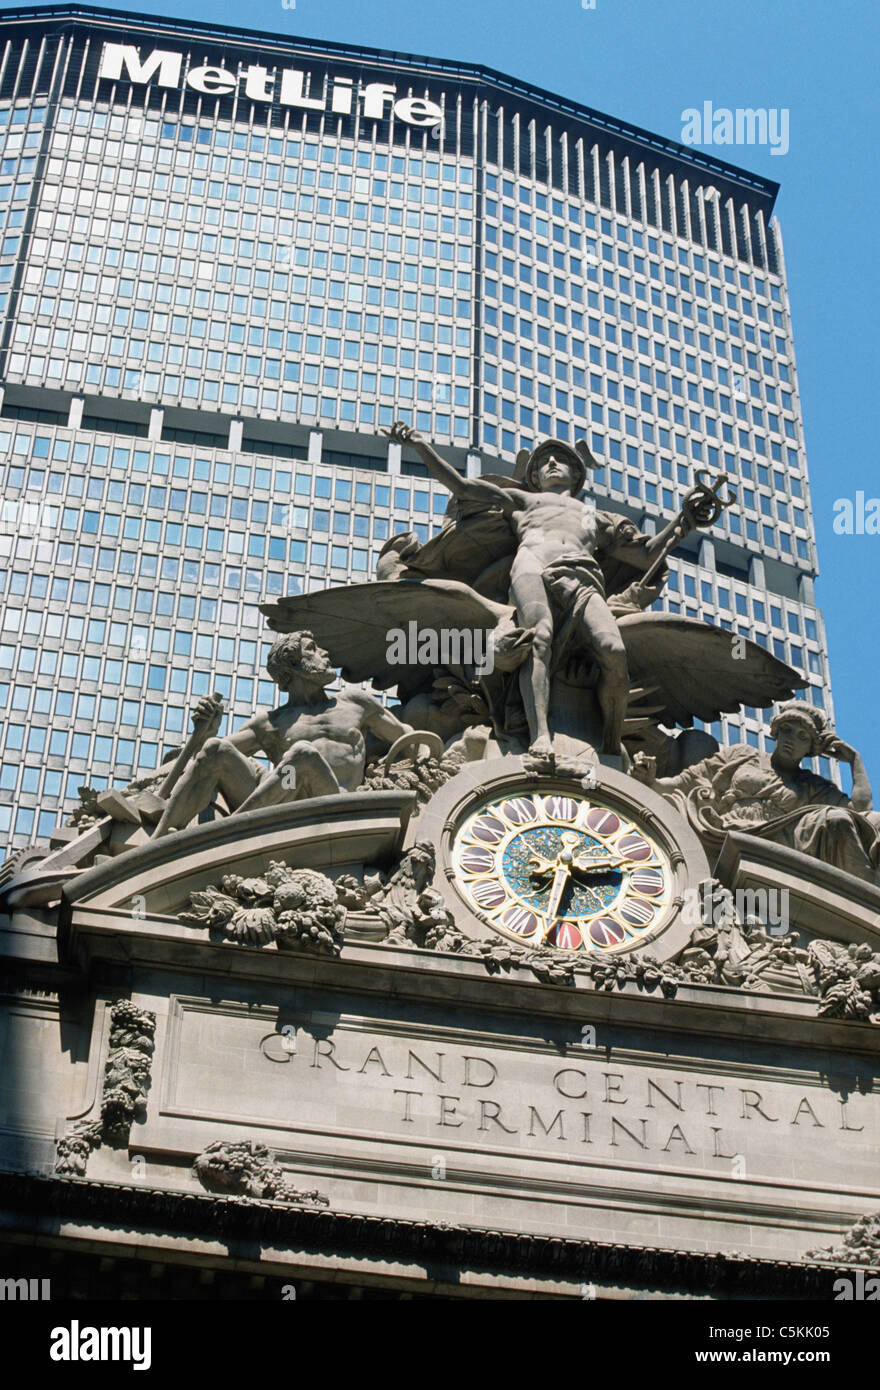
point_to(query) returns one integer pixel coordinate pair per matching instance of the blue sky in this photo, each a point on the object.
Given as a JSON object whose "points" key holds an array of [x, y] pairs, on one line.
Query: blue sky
{"points": [[647, 62]]}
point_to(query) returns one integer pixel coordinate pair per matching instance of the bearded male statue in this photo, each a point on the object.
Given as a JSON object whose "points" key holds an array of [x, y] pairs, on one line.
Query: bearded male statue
{"points": [[315, 741]]}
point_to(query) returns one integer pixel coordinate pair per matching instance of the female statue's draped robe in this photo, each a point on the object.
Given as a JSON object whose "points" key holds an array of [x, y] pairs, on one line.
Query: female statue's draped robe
{"points": [[739, 789]]}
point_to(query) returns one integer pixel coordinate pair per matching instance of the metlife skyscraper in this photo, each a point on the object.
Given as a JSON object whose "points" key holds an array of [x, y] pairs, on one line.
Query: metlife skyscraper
{"points": [[229, 259]]}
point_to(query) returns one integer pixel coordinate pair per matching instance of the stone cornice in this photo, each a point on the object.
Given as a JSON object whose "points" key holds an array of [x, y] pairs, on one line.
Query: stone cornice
{"points": [[29, 1198], [117, 945]]}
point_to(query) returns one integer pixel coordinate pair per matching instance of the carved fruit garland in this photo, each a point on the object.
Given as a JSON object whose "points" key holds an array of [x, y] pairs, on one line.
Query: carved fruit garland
{"points": [[297, 909]]}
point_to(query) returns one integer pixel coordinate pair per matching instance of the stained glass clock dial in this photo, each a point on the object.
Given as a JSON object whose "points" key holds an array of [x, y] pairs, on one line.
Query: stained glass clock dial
{"points": [[562, 870]]}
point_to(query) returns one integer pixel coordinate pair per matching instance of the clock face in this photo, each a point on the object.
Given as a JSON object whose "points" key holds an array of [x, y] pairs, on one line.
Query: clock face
{"points": [[562, 870]]}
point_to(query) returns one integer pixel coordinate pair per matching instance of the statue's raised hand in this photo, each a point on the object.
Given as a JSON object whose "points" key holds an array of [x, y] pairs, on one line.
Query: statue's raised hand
{"points": [[834, 747], [207, 715], [644, 769], [704, 503], [702, 511], [401, 433]]}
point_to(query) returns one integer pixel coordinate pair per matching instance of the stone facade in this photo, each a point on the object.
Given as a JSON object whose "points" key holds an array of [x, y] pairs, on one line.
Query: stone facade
{"points": [[393, 1108]]}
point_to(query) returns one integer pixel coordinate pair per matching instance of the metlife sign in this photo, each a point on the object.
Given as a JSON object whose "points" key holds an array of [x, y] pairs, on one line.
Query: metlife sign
{"points": [[289, 87]]}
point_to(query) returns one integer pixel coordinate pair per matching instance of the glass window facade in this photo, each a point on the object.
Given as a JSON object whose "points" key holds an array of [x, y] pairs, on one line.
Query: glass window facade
{"points": [[212, 306]]}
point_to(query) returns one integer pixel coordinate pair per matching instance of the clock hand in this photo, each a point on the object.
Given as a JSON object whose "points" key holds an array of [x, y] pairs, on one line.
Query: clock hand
{"points": [[560, 878], [596, 864], [541, 866]]}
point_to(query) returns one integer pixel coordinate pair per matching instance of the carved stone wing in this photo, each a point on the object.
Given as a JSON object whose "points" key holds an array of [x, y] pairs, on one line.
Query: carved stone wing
{"points": [[475, 546], [692, 670], [353, 622]]}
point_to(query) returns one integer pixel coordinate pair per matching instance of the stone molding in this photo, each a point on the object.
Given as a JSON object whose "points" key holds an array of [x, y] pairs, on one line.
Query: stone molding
{"points": [[317, 1231], [343, 829]]}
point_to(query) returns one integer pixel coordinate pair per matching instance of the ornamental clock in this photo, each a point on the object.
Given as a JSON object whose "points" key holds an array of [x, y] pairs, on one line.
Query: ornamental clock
{"points": [[562, 869]]}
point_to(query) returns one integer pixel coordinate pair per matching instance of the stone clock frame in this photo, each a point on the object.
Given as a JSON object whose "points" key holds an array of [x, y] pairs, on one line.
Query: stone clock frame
{"points": [[482, 782]]}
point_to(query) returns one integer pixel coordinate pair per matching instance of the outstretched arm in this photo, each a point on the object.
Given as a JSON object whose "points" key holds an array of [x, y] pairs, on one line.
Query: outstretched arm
{"points": [[469, 489], [702, 507], [642, 553], [716, 770], [644, 769], [247, 739]]}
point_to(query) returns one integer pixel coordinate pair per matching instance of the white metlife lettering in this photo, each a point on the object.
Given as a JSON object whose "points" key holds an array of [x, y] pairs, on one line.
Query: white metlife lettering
{"points": [[211, 81], [375, 96], [341, 100], [259, 83], [290, 86], [117, 56]]}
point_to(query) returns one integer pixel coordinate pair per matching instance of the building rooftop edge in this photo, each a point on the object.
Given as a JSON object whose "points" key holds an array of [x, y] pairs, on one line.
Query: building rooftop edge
{"points": [[661, 145]]}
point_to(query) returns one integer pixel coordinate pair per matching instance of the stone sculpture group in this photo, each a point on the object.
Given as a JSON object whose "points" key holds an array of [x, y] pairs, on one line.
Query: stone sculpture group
{"points": [[581, 670]]}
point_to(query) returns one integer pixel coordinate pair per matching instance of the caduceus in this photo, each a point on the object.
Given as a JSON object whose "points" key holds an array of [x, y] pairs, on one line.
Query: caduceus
{"points": [[566, 865], [712, 498]]}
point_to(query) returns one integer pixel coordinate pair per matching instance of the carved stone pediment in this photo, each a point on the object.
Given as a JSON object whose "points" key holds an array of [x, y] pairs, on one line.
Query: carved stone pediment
{"points": [[155, 883], [321, 833], [821, 900], [375, 867]]}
